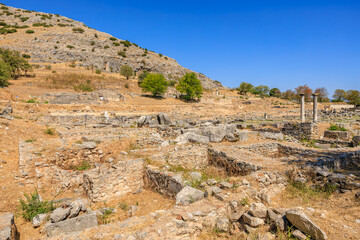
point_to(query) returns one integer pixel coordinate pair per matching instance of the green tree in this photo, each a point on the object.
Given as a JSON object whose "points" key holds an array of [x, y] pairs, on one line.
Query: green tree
{"points": [[4, 74], [353, 96], [190, 86], [142, 76], [275, 92], [244, 88], [339, 95], [154, 83], [126, 71], [261, 90]]}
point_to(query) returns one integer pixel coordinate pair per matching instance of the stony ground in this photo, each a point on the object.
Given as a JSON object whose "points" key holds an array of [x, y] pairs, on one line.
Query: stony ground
{"points": [[129, 157]]}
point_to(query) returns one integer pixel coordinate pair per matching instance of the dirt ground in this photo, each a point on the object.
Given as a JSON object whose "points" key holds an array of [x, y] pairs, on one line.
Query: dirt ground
{"points": [[339, 208]]}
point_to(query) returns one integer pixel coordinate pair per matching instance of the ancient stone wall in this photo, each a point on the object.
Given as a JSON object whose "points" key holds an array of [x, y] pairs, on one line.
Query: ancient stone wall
{"points": [[307, 130], [103, 182], [339, 135], [231, 165], [166, 183]]}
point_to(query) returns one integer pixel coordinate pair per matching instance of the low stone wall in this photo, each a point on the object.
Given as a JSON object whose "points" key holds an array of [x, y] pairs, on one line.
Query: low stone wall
{"points": [[103, 183], [341, 161], [307, 130], [188, 156], [166, 183], [71, 158], [276, 150], [231, 165], [338, 135]]}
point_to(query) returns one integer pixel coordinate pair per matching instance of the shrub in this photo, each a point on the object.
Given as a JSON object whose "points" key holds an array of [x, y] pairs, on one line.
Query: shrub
{"points": [[106, 47], [122, 53], [41, 25], [26, 56], [116, 44], [154, 83], [160, 55], [32, 206], [78, 30], [336, 127], [92, 43], [84, 166], [30, 31], [7, 31], [49, 131], [98, 71], [190, 87], [70, 46], [112, 39], [126, 85], [126, 43], [62, 25], [3, 24], [126, 71], [85, 87]]}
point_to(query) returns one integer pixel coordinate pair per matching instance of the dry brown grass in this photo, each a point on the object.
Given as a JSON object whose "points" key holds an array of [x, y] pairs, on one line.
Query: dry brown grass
{"points": [[71, 80]]}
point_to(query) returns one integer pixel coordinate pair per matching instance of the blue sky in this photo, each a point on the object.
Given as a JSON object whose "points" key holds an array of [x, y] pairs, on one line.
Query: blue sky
{"points": [[277, 43]]}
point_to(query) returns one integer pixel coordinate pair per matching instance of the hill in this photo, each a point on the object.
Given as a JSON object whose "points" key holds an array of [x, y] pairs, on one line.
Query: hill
{"points": [[51, 38]]}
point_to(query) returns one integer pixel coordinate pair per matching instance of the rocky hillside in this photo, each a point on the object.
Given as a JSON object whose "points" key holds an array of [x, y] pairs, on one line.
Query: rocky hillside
{"points": [[51, 38]]}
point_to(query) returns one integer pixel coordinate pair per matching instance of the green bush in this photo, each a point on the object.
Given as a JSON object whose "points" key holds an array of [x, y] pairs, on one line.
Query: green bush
{"points": [[7, 31], [154, 83], [32, 206], [106, 47], [62, 25], [24, 19], [116, 44], [49, 131], [112, 39], [78, 30], [85, 87], [70, 46], [26, 56], [126, 43], [190, 87], [41, 25], [172, 83], [98, 71], [30, 31], [3, 24], [122, 53], [126, 71], [336, 127]]}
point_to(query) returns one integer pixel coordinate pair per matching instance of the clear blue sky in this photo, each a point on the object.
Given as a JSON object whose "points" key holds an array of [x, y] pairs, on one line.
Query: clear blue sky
{"points": [[277, 43]]}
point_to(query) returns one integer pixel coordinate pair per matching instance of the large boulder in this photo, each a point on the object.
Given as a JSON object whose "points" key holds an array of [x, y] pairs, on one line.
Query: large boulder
{"points": [[252, 221], [215, 134], [163, 119], [189, 195], [72, 225], [59, 214], [191, 137], [258, 210], [304, 224]]}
